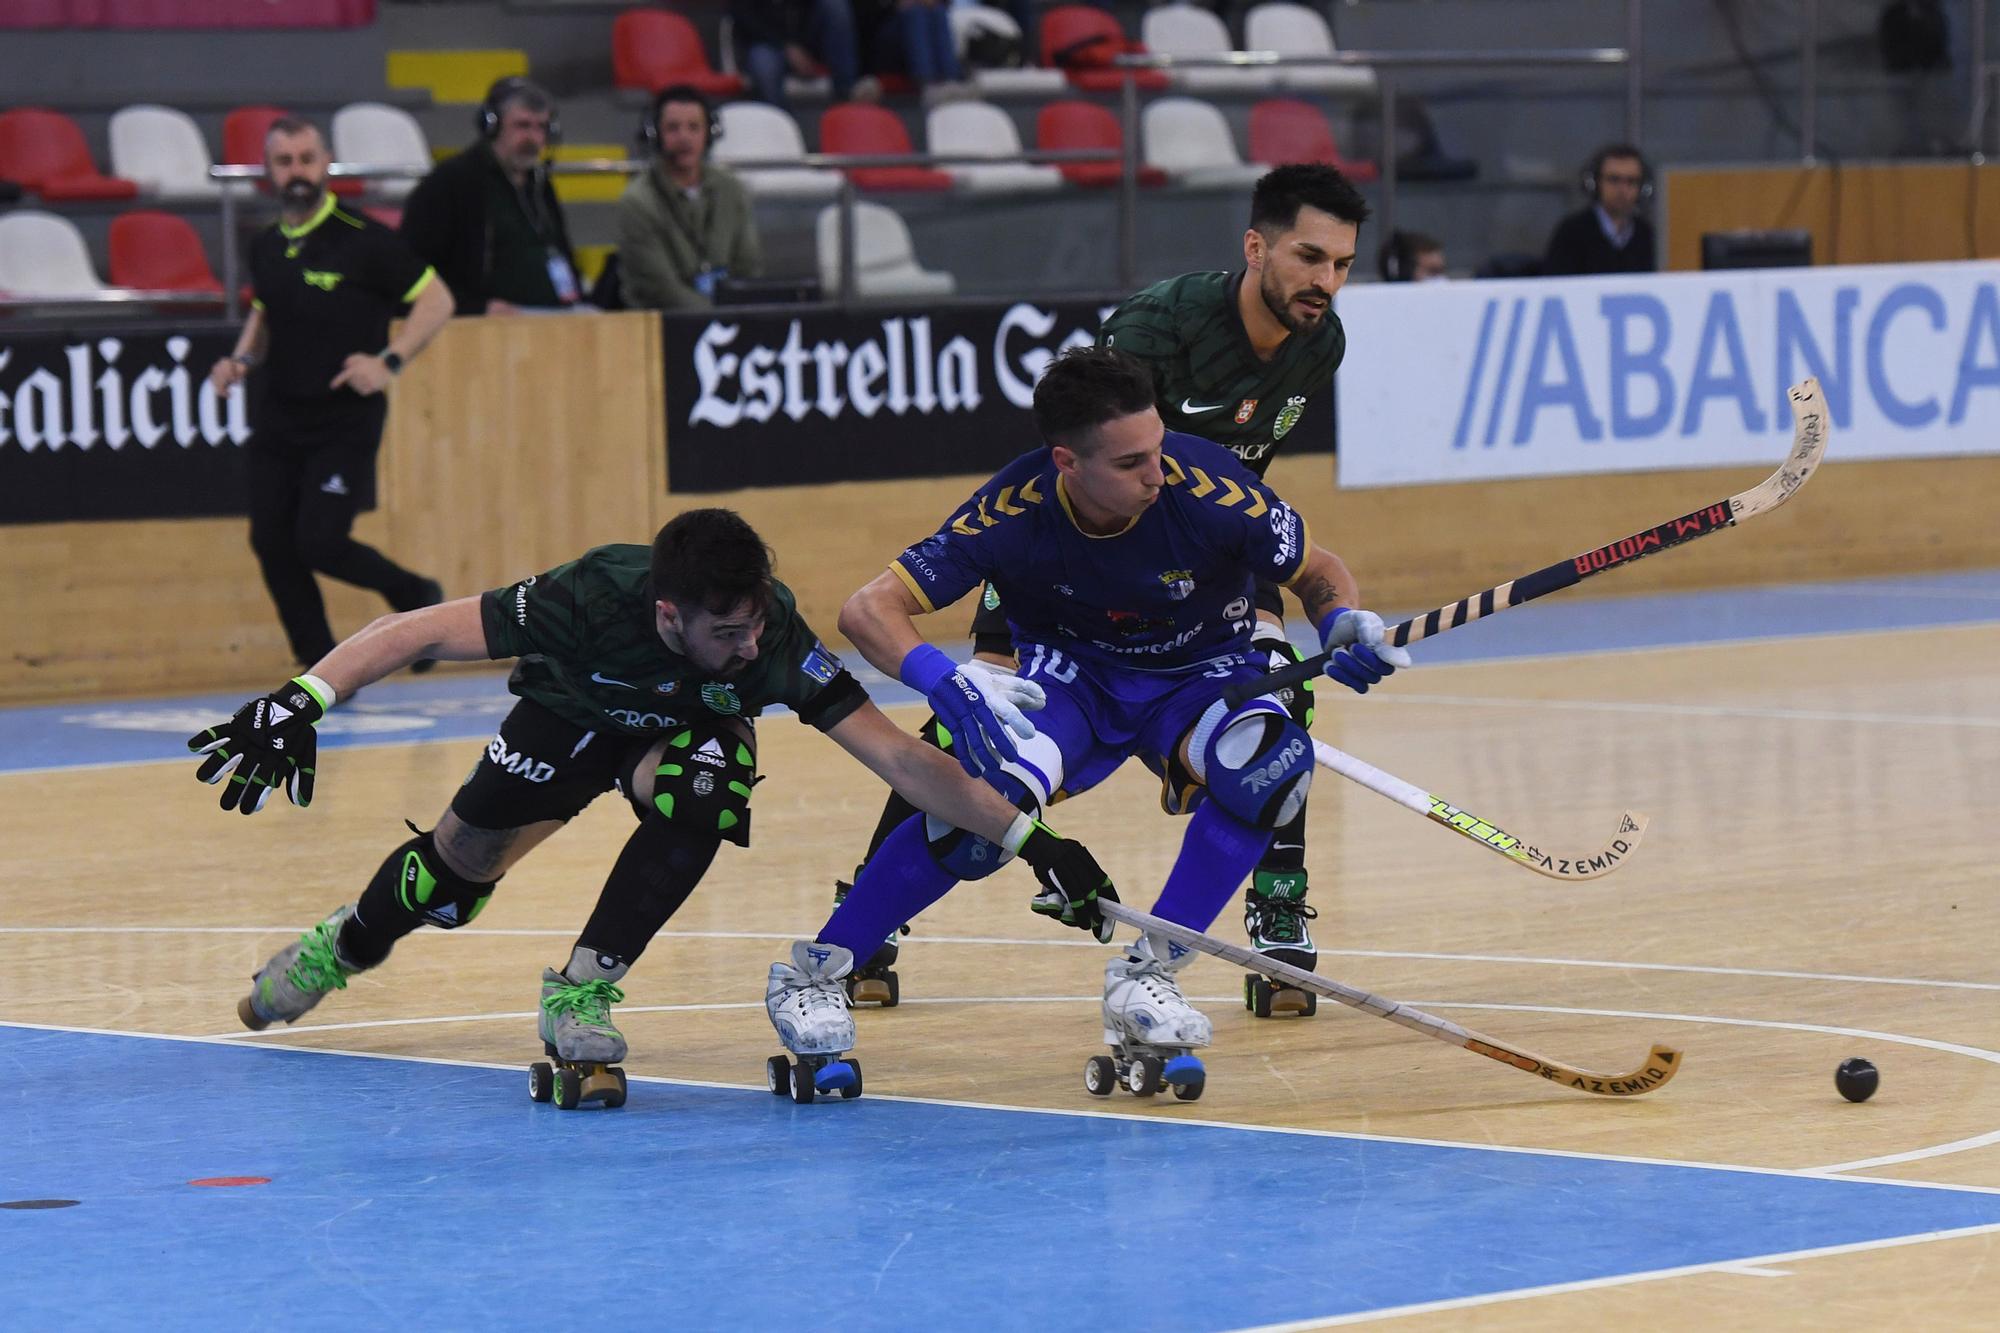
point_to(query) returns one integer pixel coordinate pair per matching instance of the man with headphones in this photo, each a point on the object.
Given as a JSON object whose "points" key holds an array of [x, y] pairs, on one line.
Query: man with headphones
{"points": [[488, 219], [1608, 236], [685, 223], [1411, 256]]}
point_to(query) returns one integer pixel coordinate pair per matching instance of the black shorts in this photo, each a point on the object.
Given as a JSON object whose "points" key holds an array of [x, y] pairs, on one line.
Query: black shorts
{"points": [[539, 767], [312, 445], [991, 635]]}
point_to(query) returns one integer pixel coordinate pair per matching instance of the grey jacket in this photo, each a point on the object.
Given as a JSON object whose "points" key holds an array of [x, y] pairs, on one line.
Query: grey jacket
{"points": [[666, 240]]}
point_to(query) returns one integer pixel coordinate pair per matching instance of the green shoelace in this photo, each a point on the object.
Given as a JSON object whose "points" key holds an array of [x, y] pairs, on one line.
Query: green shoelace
{"points": [[590, 1001]]}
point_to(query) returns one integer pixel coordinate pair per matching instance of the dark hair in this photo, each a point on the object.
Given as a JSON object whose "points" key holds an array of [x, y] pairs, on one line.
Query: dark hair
{"points": [[1398, 259], [291, 125], [1087, 386], [516, 88], [711, 558], [1281, 192]]}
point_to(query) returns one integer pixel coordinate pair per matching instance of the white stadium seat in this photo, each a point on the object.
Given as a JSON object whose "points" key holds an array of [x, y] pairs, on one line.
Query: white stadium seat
{"points": [[1190, 141], [162, 149], [1184, 30], [371, 134], [1295, 30], [1028, 81], [752, 130], [885, 260], [980, 129], [44, 255]]}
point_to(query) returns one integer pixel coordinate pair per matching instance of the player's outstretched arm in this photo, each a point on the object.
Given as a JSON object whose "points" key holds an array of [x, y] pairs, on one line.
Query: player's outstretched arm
{"points": [[271, 741]]}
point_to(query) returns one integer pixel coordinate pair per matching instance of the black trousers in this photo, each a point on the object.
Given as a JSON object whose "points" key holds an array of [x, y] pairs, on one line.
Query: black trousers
{"points": [[312, 469]]}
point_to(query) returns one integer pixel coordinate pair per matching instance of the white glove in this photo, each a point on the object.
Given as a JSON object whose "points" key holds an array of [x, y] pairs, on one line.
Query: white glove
{"points": [[1358, 654], [1009, 696]]}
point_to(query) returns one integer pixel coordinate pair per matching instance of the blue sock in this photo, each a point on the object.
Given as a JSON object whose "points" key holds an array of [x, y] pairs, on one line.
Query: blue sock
{"points": [[899, 881], [1217, 855]]}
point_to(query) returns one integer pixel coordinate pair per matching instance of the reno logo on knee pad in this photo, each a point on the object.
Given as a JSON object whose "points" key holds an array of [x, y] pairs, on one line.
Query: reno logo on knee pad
{"points": [[1257, 779], [520, 765]]}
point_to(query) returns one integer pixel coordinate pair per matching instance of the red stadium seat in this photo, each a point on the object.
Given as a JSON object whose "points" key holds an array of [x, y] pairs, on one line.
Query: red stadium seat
{"points": [[223, 14], [243, 133], [1082, 41], [1284, 129], [854, 127], [159, 252], [651, 48], [36, 14], [45, 152], [1075, 125]]}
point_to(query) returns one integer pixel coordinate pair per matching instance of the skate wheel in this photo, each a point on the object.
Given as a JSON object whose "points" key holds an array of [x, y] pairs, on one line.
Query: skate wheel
{"points": [[614, 1097], [778, 1075], [569, 1089], [1143, 1078], [541, 1081], [895, 996], [870, 990], [1257, 994], [246, 1013], [1100, 1076], [852, 1090], [1187, 1077], [1190, 1090], [801, 1079], [834, 1076]]}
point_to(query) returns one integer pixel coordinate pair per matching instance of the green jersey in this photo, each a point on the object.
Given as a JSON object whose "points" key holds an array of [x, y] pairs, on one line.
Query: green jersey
{"points": [[1209, 380], [591, 653]]}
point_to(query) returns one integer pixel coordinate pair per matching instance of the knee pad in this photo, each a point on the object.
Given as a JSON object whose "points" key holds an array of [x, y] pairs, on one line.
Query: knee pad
{"points": [[1256, 762], [1028, 783], [702, 785], [429, 888], [1270, 649]]}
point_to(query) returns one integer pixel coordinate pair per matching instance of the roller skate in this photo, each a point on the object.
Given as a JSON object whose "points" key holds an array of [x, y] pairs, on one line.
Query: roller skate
{"points": [[808, 1006], [1275, 916], [299, 976], [578, 1036], [1151, 1028], [875, 981]]}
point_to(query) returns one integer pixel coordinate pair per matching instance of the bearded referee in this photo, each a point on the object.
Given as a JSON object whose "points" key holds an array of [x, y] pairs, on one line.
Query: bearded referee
{"points": [[326, 284], [1235, 356]]}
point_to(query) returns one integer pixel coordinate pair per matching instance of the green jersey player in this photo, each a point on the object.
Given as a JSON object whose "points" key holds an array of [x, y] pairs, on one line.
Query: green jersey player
{"points": [[1236, 358], [639, 669]]}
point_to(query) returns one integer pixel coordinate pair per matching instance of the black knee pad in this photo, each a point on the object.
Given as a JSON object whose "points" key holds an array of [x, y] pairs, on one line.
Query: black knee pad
{"points": [[429, 888], [1275, 654], [702, 786]]}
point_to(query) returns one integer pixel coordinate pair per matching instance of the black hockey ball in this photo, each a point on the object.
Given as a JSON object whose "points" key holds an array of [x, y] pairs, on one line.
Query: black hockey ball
{"points": [[1857, 1080]]}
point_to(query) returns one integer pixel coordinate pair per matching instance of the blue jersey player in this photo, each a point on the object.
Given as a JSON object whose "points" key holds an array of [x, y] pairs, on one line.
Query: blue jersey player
{"points": [[1127, 557]]}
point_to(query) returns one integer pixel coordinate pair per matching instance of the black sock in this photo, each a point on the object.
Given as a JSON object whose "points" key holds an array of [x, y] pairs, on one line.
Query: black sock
{"points": [[654, 874], [1287, 852]]}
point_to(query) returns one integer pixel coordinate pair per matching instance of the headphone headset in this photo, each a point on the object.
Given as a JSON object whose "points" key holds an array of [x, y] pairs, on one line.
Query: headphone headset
{"points": [[649, 128], [1588, 181], [503, 91], [1396, 257]]}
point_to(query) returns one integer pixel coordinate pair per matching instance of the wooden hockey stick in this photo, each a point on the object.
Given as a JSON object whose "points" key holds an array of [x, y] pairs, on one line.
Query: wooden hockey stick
{"points": [[1660, 1065], [1589, 864], [1810, 434]]}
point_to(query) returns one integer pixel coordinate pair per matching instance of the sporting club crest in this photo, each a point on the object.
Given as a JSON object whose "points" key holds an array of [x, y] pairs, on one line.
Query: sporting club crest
{"points": [[719, 698], [1288, 416]]}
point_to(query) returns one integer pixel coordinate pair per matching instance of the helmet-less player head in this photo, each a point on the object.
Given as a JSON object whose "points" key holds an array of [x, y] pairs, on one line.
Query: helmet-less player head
{"points": [[295, 161], [1618, 181], [1094, 407], [1305, 225], [711, 579]]}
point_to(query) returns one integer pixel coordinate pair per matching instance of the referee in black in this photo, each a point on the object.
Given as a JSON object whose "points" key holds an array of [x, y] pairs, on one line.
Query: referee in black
{"points": [[326, 283]]}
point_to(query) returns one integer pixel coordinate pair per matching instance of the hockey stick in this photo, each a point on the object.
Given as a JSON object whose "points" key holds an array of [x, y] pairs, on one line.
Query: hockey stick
{"points": [[1587, 865], [1660, 1065], [1810, 434]]}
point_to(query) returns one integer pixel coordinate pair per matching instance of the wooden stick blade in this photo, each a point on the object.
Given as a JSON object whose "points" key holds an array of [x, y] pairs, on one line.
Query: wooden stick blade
{"points": [[1572, 865], [1656, 1071]]}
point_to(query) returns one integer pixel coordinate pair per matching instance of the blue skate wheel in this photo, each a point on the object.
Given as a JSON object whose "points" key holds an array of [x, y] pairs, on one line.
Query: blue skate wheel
{"points": [[1187, 1076], [835, 1076]]}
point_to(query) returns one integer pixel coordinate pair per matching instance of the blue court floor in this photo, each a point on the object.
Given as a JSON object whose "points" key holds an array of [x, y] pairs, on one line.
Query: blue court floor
{"points": [[436, 1195]]}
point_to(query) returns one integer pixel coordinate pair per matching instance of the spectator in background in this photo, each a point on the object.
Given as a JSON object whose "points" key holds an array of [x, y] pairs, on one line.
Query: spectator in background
{"points": [[1411, 256], [779, 37], [1609, 235], [913, 37], [684, 224], [488, 219]]}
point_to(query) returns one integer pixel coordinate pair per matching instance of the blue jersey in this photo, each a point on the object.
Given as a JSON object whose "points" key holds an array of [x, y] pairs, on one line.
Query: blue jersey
{"points": [[1173, 590]]}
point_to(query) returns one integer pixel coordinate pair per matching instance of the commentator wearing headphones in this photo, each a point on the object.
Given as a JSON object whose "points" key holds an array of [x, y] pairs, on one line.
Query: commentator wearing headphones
{"points": [[1608, 235], [487, 218], [684, 223]]}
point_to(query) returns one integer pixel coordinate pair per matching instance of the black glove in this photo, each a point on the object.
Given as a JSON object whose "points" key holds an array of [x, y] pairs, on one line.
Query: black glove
{"points": [[1072, 881], [270, 741]]}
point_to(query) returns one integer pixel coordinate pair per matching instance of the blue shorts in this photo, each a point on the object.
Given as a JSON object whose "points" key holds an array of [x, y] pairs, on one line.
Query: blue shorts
{"points": [[1100, 716]]}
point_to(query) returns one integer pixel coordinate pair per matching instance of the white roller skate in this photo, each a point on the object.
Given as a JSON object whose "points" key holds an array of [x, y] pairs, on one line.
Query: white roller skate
{"points": [[298, 976], [1151, 1028], [577, 1034], [808, 1005]]}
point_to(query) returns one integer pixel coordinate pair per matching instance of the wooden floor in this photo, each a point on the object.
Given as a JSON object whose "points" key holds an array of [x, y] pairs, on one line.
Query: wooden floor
{"points": [[1818, 883]]}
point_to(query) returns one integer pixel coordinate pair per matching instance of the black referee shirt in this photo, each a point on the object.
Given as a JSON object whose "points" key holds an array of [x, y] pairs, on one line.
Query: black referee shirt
{"points": [[328, 289]]}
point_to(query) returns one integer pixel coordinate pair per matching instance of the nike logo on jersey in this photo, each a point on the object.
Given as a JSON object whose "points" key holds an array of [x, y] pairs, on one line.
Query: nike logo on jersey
{"points": [[1191, 407], [603, 679]]}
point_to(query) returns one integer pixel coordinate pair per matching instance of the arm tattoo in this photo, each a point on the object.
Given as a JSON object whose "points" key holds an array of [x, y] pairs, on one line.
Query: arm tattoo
{"points": [[1318, 596]]}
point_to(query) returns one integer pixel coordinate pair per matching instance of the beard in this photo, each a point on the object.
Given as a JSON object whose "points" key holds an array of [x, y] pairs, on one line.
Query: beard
{"points": [[1281, 307], [299, 191]]}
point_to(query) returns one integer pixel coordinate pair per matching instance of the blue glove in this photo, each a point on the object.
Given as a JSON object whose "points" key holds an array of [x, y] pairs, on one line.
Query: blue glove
{"points": [[1357, 654], [978, 738]]}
